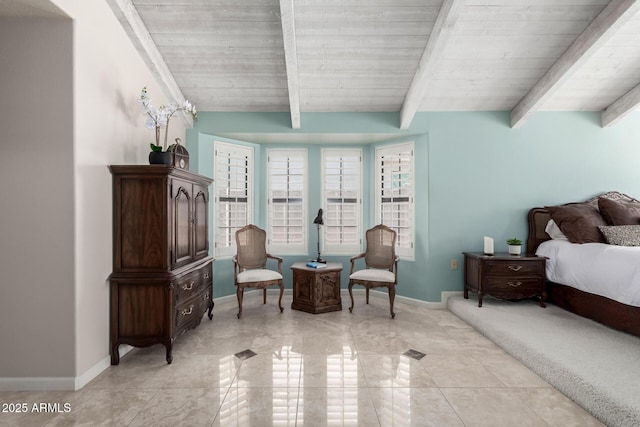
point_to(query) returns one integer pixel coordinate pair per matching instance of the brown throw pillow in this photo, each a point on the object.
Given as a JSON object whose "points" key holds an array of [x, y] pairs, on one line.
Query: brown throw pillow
{"points": [[579, 222], [619, 212]]}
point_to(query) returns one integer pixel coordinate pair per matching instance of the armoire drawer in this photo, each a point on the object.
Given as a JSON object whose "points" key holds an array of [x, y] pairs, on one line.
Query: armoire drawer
{"points": [[194, 282], [189, 313]]}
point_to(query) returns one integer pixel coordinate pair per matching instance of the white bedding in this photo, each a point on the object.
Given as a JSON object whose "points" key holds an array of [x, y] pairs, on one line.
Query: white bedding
{"points": [[607, 270]]}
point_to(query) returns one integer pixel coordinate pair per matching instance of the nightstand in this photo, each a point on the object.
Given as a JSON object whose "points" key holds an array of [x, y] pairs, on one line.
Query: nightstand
{"points": [[505, 276]]}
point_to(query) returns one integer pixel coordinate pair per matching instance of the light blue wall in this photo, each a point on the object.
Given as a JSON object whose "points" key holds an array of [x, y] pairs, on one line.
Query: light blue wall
{"points": [[476, 176]]}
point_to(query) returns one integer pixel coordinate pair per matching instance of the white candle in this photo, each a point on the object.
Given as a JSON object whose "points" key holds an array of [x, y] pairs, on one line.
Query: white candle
{"points": [[488, 245]]}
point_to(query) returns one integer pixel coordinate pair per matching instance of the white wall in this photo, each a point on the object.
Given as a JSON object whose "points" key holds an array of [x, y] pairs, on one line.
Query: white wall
{"points": [[108, 77], [54, 319], [37, 216], [463, 166]]}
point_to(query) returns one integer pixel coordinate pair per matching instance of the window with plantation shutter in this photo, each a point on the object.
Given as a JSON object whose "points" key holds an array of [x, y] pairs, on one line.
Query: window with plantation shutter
{"points": [[342, 201], [233, 189], [286, 198], [395, 194]]}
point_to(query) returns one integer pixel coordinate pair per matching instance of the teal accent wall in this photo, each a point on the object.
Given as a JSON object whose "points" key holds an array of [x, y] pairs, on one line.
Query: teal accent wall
{"points": [[475, 176]]}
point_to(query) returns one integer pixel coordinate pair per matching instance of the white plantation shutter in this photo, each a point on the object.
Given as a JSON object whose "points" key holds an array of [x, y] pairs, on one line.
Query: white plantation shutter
{"points": [[395, 194], [286, 197], [233, 166], [342, 201]]}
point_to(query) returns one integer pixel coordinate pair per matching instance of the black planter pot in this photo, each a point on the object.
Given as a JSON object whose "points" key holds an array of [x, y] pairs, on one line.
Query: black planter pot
{"points": [[160, 158]]}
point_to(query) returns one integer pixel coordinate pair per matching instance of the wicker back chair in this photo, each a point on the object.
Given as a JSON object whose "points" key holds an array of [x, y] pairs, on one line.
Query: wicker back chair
{"points": [[381, 264], [250, 265]]}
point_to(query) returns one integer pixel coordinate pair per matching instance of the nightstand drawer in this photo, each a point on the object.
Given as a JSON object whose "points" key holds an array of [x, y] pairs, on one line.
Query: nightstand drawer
{"points": [[513, 268], [514, 285]]}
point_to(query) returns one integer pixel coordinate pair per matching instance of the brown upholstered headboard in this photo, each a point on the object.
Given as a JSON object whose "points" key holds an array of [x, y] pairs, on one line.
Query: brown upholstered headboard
{"points": [[539, 217]]}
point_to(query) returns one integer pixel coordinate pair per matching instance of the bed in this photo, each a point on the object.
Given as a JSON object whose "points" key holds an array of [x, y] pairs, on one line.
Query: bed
{"points": [[597, 299]]}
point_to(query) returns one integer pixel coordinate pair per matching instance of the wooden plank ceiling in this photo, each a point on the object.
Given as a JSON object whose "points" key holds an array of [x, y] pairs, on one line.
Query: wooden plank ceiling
{"points": [[393, 55]]}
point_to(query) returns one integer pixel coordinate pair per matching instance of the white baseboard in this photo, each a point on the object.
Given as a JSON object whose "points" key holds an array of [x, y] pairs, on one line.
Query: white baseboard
{"points": [[437, 305], [60, 383], [92, 372], [445, 295], [95, 370], [37, 384]]}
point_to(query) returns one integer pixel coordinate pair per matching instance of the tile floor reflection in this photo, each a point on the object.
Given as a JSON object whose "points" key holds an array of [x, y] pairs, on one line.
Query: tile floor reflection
{"points": [[331, 369]]}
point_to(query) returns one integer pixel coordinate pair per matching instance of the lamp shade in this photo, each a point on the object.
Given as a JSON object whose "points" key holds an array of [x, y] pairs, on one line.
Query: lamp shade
{"points": [[318, 219]]}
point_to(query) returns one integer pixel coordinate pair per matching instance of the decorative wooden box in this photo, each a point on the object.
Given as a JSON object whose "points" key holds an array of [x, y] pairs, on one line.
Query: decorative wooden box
{"points": [[180, 156]]}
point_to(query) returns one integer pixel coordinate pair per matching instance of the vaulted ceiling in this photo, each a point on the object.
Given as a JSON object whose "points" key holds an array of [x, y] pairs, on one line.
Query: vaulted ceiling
{"points": [[393, 55]]}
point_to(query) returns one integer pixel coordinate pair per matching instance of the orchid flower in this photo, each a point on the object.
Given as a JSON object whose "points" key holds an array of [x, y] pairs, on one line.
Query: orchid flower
{"points": [[158, 118]]}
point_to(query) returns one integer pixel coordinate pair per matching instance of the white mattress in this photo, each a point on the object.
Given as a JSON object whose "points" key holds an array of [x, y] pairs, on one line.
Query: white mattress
{"points": [[607, 270]]}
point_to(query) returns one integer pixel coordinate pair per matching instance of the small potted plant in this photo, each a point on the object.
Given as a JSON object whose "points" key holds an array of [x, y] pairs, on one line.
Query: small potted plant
{"points": [[515, 246]]}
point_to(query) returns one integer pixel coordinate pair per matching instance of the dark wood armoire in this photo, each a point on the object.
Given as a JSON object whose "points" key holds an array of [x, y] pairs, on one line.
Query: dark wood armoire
{"points": [[162, 280]]}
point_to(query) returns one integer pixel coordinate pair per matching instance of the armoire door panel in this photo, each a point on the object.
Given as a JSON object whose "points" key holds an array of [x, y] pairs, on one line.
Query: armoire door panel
{"points": [[201, 222], [182, 224], [142, 231]]}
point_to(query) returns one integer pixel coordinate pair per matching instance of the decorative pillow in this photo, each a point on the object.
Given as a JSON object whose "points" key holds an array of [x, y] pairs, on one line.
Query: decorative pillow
{"points": [[621, 235], [578, 221], [554, 231], [619, 212]]}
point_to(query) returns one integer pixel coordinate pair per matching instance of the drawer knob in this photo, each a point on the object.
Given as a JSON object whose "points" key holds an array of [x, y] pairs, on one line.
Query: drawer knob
{"points": [[206, 275], [187, 287], [515, 267], [186, 312], [514, 284]]}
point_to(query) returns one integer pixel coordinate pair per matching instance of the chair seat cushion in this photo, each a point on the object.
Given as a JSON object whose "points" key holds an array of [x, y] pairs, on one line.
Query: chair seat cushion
{"points": [[258, 275], [374, 275]]}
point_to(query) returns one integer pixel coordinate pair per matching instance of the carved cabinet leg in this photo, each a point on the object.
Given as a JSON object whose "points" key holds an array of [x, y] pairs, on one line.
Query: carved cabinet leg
{"points": [[210, 314], [543, 298], [169, 347], [115, 354]]}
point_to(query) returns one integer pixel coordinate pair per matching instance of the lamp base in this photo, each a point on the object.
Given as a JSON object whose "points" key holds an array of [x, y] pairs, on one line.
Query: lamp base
{"points": [[320, 260]]}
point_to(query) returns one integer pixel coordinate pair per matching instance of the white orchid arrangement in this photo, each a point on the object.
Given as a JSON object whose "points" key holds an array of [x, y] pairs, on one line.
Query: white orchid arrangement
{"points": [[158, 118]]}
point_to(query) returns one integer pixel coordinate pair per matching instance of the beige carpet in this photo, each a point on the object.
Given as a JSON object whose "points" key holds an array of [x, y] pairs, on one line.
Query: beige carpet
{"points": [[595, 366]]}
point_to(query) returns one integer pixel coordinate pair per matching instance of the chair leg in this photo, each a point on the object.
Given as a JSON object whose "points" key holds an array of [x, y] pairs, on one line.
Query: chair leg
{"points": [[367, 295], [264, 296], [351, 295], [240, 295], [392, 297], [280, 300]]}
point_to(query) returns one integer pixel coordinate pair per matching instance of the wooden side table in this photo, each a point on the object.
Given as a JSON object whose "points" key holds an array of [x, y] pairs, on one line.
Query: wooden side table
{"points": [[316, 290], [505, 276]]}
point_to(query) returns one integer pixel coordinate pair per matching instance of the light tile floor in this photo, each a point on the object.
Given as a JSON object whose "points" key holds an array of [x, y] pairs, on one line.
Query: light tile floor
{"points": [[328, 369]]}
